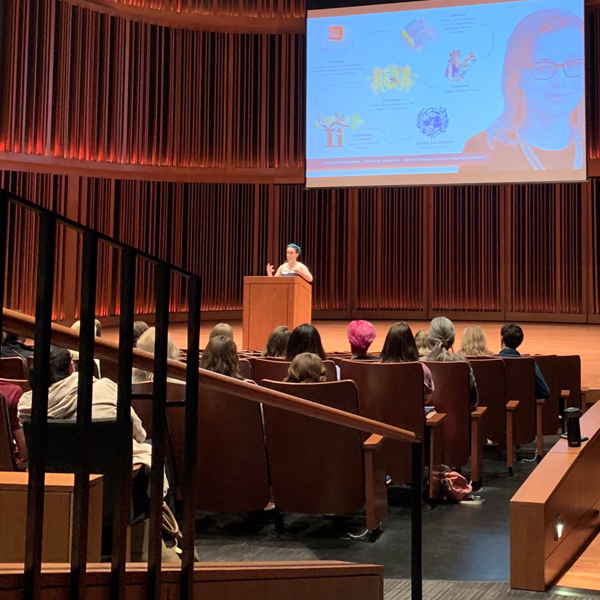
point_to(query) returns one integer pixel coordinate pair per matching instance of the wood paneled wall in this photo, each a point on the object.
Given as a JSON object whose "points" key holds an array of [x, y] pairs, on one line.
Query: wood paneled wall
{"points": [[188, 143]]}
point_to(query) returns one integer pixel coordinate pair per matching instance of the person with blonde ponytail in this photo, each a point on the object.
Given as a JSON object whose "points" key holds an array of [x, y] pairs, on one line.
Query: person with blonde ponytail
{"points": [[441, 338]]}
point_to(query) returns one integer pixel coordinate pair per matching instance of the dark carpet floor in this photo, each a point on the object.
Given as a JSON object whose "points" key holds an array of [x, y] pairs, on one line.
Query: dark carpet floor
{"points": [[460, 541]]}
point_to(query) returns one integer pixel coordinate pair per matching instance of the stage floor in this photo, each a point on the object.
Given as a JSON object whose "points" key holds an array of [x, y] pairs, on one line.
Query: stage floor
{"points": [[540, 338]]}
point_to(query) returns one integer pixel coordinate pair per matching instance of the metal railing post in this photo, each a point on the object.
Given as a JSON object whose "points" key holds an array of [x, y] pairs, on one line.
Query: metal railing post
{"points": [[159, 418], [3, 242], [40, 382], [191, 442], [123, 484], [416, 537], [87, 333]]}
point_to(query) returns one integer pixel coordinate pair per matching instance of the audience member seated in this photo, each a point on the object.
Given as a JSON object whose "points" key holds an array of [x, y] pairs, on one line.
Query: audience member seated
{"points": [[221, 356], [77, 327], [13, 394], [139, 328], [146, 343], [512, 336], [221, 329], [474, 342], [441, 338], [62, 401], [306, 368], [361, 335], [14, 345], [305, 338], [422, 342], [277, 343], [399, 347]]}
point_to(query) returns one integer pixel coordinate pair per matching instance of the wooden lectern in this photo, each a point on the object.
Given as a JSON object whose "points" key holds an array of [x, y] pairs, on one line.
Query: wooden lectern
{"points": [[273, 301]]}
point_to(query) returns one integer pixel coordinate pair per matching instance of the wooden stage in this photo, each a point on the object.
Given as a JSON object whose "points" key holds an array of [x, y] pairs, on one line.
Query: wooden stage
{"points": [[540, 338]]}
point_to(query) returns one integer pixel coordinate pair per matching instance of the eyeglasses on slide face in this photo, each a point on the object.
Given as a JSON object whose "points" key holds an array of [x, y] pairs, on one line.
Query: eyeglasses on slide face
{"points": [[547, 70]]}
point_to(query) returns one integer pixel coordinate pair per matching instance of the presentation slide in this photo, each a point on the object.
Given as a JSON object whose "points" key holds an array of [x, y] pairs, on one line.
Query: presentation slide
{"points": [[445, 92]]}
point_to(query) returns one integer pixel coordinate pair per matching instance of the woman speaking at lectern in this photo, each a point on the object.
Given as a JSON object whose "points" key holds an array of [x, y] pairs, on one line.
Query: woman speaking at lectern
{"points": [[292, 266]]}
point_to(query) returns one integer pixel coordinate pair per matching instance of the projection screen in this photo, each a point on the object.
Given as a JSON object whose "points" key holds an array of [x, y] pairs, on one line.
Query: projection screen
{"points": [[445, 92]]}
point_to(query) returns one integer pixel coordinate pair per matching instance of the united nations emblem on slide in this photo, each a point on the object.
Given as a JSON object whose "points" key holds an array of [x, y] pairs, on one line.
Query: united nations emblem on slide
{"points": [[432, 121]]}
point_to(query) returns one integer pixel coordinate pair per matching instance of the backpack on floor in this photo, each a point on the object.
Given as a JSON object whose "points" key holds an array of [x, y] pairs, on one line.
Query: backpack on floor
{"points": [[454, 486]]}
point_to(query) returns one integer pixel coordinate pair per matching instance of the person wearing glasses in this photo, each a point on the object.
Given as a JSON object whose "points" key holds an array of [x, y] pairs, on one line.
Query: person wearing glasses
{"points": [[543, 121], [292, 266]]}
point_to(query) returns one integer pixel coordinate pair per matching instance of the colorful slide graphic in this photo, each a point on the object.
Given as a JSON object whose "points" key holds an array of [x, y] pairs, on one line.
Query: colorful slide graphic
{"points": [[445, 92]]}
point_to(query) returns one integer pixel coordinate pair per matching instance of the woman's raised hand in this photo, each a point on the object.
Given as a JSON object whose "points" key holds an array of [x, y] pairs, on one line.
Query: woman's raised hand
{"points": [[270, 270]]}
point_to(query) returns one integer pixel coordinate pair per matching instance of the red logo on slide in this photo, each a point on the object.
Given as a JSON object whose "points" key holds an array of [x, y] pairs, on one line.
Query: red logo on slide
{"points": [[336, 33]]}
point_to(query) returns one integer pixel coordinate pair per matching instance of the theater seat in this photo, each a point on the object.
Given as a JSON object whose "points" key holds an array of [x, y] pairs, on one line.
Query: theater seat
{"points": [[393, 393], [321, 468], [231, 474], [13, 367]]}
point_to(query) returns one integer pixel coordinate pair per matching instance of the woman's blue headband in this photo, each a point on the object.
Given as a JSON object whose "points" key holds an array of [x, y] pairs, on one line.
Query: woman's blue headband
{"points": [[295, 247]]}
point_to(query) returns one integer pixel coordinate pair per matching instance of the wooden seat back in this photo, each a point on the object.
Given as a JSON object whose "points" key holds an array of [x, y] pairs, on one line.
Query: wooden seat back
{"points": [[451, 396], [231, 473], [316, 467], [548, 365], [7, 454], [520, 385], [394, 394], [245, 368], [490, 378], [569, 378], [277, 370], [13, 367], [143, 406]]}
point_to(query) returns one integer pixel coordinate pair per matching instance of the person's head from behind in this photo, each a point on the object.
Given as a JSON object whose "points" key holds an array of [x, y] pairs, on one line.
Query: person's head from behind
{"points": [[221, 329], [512, 336], [441, 337], [97, 327], [139, 328], [474, 342], [147, 343], [422, 342], [306, 368], [61, 365], [399, 345], [360, 335], [11, 338], [543, 74], [220, 356], [305, 338], [277, 342]]}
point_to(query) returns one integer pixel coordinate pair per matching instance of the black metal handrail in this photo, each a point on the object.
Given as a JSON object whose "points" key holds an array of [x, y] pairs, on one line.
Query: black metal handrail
{"points": [[45, 330]]}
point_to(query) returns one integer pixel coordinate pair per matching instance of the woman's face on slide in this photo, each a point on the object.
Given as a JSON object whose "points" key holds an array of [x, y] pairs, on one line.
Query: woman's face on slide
{"points": [[291, 255], [558, 95]]}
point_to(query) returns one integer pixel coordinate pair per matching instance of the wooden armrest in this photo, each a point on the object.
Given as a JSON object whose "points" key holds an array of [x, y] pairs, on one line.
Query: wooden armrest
{"points": [[435, 420], [565, 392], [373, 441], [478, 412], [540, 401], [511, 406], [585, 390]]}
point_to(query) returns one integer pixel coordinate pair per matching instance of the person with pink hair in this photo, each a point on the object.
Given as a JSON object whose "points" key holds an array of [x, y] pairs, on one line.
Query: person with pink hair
{"points": [[361, 335], [542, 125]]}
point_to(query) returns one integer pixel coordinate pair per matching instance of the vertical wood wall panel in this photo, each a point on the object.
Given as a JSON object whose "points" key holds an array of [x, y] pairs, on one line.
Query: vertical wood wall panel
{"points": [[391, 249], [466, 247], [81, 84], [136, 93]]}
